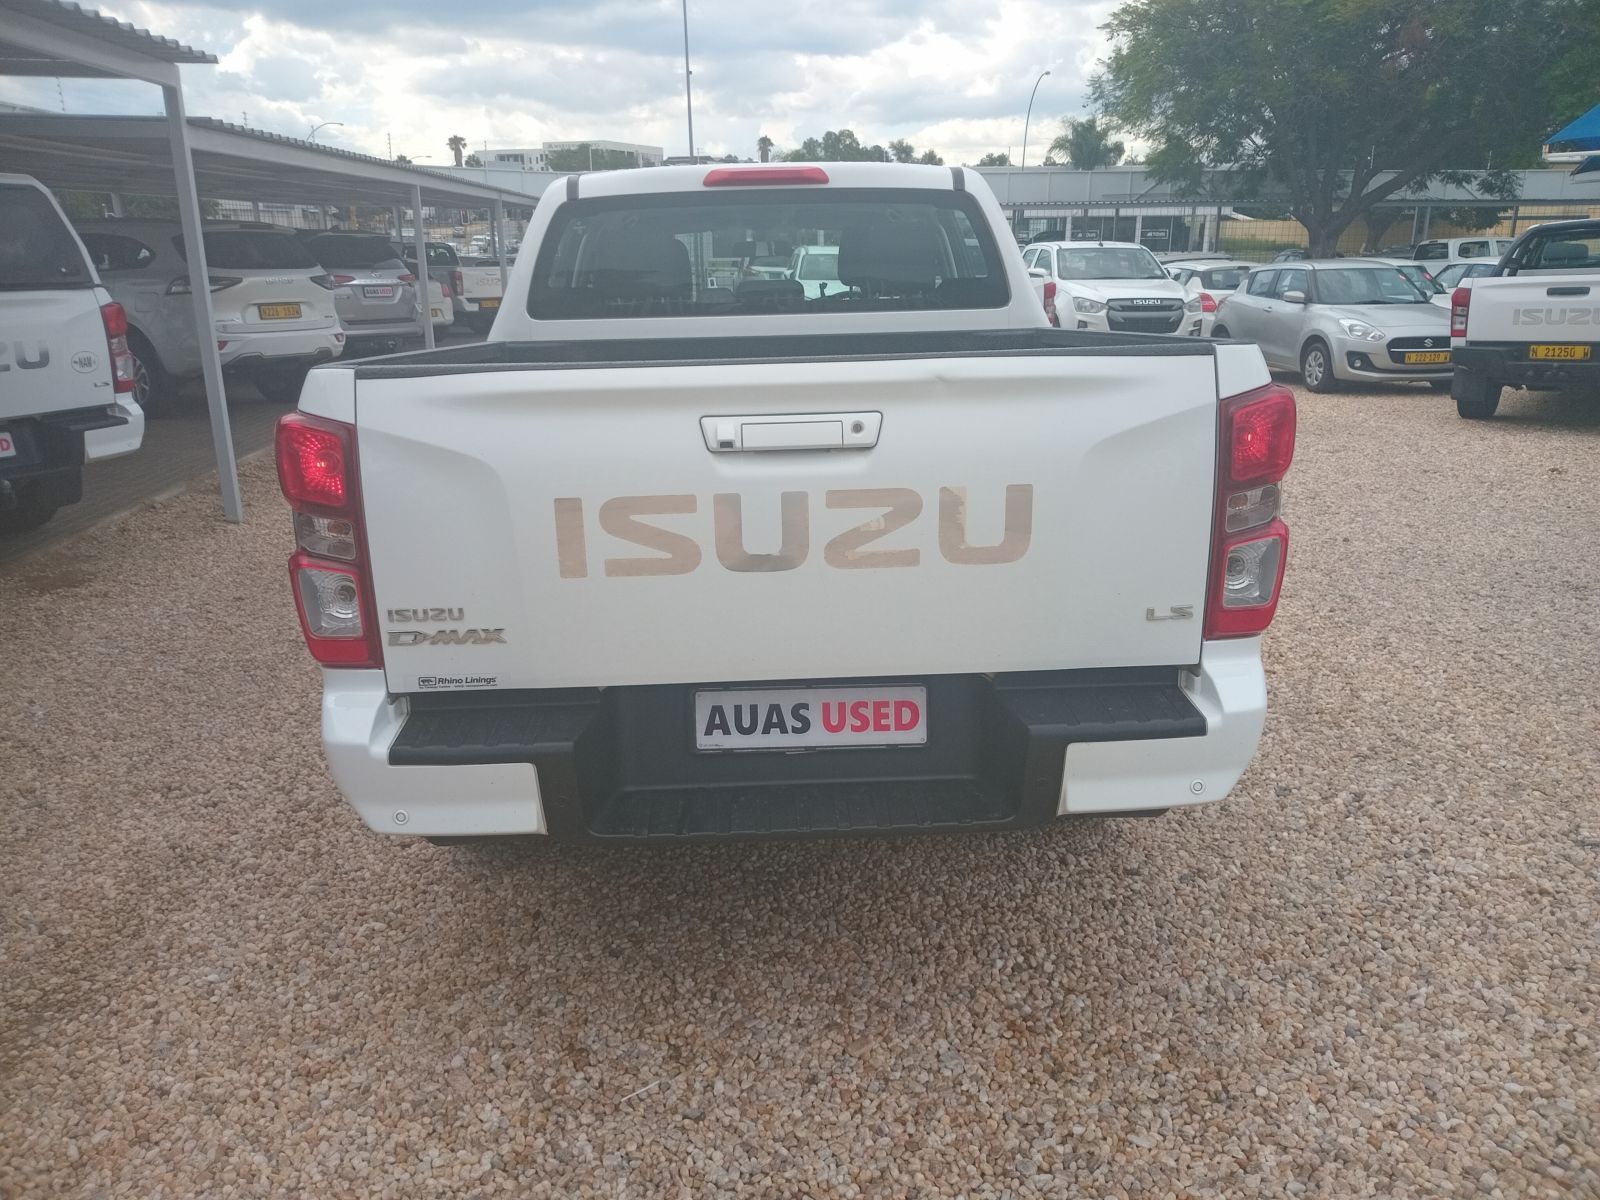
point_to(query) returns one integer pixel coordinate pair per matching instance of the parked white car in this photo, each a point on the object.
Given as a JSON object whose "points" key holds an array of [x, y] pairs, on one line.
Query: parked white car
{"points": [[375, 291], [1118, 287], [1211, 279], [964, 571], [271, 301], [66, 377], [816, 268], [1463, 249]]}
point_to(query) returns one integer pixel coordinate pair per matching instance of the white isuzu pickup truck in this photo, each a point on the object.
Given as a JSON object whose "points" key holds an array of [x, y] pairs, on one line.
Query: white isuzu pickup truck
{"points": [[1532, 322], [664, 561]]}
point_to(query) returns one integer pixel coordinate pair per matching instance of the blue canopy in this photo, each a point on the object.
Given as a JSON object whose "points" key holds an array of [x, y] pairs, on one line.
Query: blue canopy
{"points": [[1576, 139]]}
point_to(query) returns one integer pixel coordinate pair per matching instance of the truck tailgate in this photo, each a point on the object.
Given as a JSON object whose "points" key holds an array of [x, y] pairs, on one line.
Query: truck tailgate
{"points": [[1534, 308], [570, 527]]}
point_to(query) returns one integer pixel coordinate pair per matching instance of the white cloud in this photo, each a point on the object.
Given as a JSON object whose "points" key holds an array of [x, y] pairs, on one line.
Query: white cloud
{"points": [[410, 73]]}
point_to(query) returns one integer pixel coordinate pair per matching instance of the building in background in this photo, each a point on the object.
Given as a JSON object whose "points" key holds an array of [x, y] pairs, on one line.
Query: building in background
{"points": [[527, 158]]}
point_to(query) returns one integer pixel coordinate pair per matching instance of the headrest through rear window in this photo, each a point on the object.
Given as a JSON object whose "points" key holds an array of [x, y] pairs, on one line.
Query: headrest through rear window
{"points": [[885, 255]]}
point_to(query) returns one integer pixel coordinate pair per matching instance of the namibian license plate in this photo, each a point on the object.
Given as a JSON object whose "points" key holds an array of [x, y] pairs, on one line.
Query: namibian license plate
{"points": [[800, 718], [378, 293], [1570, 353], [494, 303], [1419, 357], [8, 448], [279, 312]]}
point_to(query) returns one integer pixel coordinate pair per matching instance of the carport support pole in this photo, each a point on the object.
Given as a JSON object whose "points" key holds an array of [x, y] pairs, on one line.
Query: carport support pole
{"points": [[500, 245], [424, 283], [194, 251]]}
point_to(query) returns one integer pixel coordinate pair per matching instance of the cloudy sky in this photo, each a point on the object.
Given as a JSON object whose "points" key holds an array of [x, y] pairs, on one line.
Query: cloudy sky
{"points": [[941, 73]]}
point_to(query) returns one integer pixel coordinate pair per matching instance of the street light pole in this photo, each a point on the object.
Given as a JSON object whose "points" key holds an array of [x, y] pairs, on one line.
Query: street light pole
{"points": [[688, 80], [312, 136], [1029, 117]]}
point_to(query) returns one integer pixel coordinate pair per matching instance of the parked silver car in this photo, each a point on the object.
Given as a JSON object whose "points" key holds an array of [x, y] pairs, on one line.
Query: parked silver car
{"points": [[374, 290], [1341, 319], [274, 315]]}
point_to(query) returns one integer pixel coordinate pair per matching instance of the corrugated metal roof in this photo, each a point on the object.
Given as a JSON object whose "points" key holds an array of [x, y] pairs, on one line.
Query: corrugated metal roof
{"points": [[95, 24], [263, 135]]}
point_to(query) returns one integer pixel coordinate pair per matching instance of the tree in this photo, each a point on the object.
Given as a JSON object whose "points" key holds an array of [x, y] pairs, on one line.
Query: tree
{"points": [[457, 144], [472, 160], [1086, 144], [930, 158], [837, 146], [1339, 107], [402, 160], [764, 146], [903, 151], [997, 159]]}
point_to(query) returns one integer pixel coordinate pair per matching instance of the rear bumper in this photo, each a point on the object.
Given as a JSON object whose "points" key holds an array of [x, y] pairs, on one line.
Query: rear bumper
{"points": [[1508, 364], [60, 443], [618, 765]]}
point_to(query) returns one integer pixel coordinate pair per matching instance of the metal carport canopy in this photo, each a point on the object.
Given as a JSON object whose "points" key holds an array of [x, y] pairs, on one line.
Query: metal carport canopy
{"points": [[231, 162]]}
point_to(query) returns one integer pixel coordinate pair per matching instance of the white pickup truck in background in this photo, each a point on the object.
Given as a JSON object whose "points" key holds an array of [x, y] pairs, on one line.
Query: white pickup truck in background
{"points": [[1533, 322], [663, 561], [66, 374]]}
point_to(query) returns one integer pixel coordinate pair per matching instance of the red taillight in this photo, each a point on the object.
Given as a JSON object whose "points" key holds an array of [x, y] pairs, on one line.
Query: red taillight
{"points": [[1260, 434], [1460, 302], [115, 319], [313, 462], [764, 176], [1208, 302], [1250, 543], [407, 278], [341, 280], [1050, 303], [455, 282], [328, 572]]}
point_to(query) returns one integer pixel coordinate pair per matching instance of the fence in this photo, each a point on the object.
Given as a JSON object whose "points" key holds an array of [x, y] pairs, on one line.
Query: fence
{"points": [[1219, 230]]}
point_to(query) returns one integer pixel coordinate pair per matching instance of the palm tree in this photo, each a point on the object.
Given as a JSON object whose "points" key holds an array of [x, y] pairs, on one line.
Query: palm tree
{"points": [[764, 146], [1086, 144], [457, 144]]}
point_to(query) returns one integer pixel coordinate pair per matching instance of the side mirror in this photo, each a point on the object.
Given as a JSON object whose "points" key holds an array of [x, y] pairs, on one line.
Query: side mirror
{"points": [[1293, 297]]}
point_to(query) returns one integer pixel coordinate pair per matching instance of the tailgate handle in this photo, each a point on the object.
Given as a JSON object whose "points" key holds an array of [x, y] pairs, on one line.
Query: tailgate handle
{"points": [[798, 431], [1566, 291]]}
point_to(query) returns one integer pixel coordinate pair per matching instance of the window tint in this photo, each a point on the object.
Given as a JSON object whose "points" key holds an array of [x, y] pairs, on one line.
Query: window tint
{"points": [[1108, 262], [1563, 250], [37, 249], [1261, 283], [857, 250], [1432, 250], [1224, 279], [117, 252], [1367, 285], [1297, 280], [1418, 274], [252, 249], [349, 250], [1474, 250]]}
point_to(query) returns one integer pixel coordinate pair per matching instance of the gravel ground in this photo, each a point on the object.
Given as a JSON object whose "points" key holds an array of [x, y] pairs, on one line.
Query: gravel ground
{"points": [[1372, 972]]}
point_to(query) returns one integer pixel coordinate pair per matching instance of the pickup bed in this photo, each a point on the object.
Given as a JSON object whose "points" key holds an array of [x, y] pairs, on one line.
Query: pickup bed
{"points": [[1534, 322], [657, 563]]}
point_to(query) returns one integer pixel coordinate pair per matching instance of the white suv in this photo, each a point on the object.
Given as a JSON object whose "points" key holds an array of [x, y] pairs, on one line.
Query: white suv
{"points": [[1117, 287], [66, 378], [270, 298]]}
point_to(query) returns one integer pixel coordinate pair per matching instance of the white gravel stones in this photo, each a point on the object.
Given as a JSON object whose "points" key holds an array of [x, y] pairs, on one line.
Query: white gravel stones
{"points": [[1371, 973]]}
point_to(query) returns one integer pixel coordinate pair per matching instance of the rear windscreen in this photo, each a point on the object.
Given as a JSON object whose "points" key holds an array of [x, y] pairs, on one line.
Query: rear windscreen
{"points": [[1572, 249], [37, 249], [342, 250], [710, 254], [1224, 279], [247, 249]]}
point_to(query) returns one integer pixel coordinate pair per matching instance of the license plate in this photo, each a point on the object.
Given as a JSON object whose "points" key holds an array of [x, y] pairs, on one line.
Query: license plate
{"points": [[1569, 353], [378, 293], [279, 312], [488, 304], [8, 448], [1418, 357], [802, 718]]}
